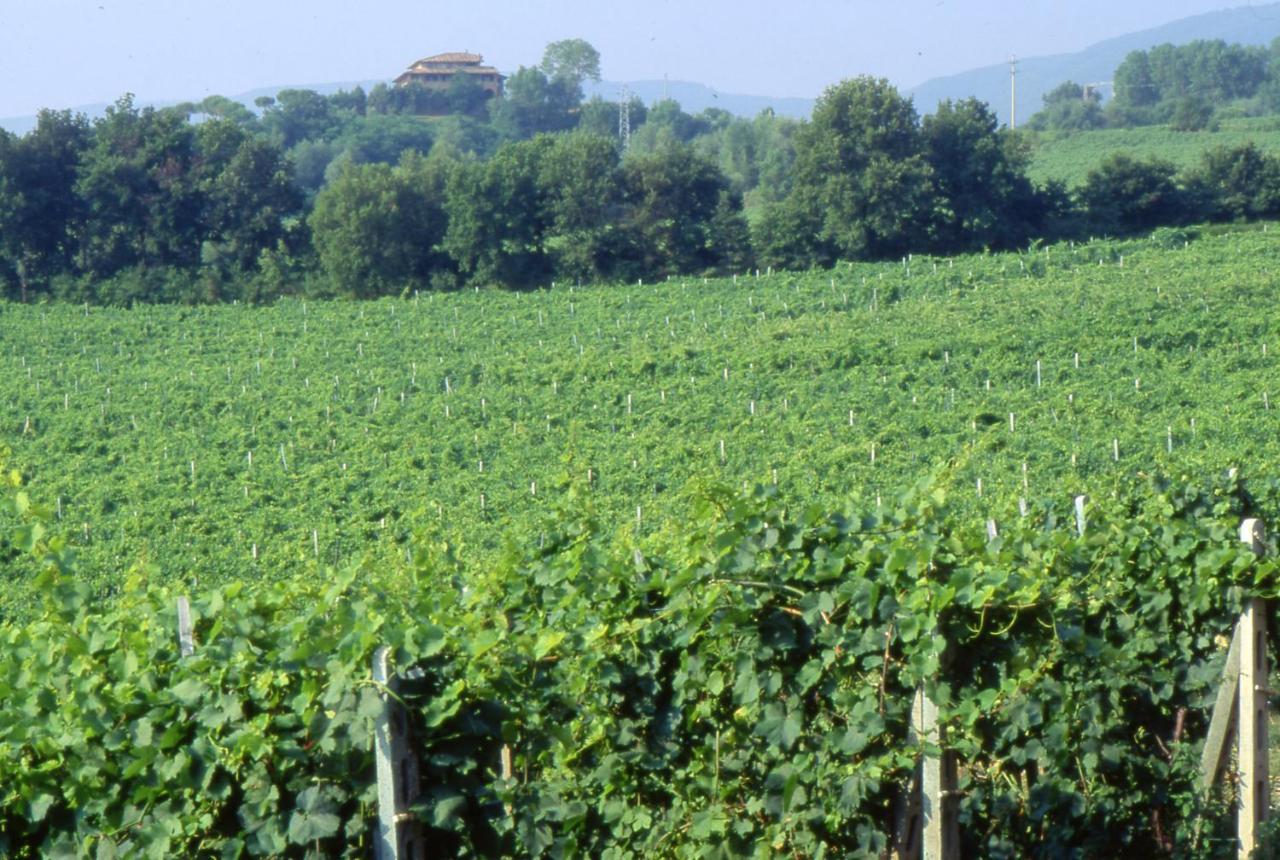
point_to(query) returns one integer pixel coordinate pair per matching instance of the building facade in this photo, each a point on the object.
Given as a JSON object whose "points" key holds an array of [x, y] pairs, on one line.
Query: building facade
{"points": [[437, 73]]}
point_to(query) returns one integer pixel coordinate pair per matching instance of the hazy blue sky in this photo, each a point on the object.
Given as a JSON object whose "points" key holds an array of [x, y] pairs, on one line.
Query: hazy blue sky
{"points": [[64, 53]]}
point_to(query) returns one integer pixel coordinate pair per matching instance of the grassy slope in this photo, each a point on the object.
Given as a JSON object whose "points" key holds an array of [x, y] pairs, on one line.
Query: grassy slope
{"points": [[1069, 157]]}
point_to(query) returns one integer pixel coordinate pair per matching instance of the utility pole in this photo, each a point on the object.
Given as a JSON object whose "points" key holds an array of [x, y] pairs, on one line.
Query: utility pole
{"points": [[1013, 92], [624, 117]]}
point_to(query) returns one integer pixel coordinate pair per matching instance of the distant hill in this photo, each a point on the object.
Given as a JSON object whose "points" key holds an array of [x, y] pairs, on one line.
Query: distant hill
{"points": [[1247, 25]]}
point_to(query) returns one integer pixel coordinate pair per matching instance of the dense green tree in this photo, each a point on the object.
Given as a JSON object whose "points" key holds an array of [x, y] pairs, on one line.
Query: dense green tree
{"points": [[497, 220], [667, 114], [298, 115], [1135, 84], [983, 196], [310, 160], [1151, 86], [248, 193], [11, 245], [352, 102], [221, 107], [775, 156], [1268, 95], [573, 60], [377, 228], [581, 188], [467, 96], [786, 235], [532, 103], [384, 139], [679, 206], [860, 170], [41, 214], [1236, 183], [600, 117], [1124, 194], [413, 99], [459, 136], [142, 203], [1067, 109], [1190, 113]]}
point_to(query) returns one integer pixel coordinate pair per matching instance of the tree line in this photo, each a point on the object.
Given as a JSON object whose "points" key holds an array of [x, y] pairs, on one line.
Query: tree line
{"points": [[359, 195], [1187, 87]]}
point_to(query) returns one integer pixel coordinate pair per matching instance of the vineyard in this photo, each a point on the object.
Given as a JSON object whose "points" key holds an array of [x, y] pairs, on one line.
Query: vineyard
{"points": [[1068, 157], [662, 565]]}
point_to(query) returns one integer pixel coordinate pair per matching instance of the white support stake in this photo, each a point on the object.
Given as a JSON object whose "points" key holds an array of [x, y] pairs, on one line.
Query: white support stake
{"points": [[186, 640], [1080, 518]]}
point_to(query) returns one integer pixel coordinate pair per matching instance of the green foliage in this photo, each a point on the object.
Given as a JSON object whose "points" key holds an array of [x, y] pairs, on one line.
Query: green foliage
{"points": [[1238, 183], [741, 685], [860, 170], [573, 60], [1167, 79], [497, 220], [871, 182], [298, 115], [533, 103], [1125, 195], [248, 193], [137, 182], [1191, 113], [376, 228], [733, 673], [682, 217], [1067, 109], [979, 173], [108, 408], [39, 208]]}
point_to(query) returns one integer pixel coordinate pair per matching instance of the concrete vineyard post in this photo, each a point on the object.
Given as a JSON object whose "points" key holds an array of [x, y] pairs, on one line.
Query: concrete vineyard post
{"points": [[399, 834], [1254, 798]]}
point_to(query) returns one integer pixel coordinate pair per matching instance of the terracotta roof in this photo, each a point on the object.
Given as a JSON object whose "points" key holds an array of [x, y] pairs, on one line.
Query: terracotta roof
{"points": [[451, 70], [454, 57]]}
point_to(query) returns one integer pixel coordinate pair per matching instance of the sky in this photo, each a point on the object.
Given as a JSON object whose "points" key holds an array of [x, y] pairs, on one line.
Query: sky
{"points": [[69, 53]]}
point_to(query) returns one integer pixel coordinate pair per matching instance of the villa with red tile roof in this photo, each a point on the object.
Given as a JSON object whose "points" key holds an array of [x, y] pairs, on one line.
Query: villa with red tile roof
{"points": [[437, 72]]}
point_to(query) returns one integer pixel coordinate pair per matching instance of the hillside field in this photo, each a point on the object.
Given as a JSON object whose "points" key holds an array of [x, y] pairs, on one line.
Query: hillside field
{"points": [[1068, 158], [218, 442], [670, 563]]}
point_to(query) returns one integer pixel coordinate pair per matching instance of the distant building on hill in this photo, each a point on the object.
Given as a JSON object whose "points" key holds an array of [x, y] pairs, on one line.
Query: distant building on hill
{"points": [[437, 73]]}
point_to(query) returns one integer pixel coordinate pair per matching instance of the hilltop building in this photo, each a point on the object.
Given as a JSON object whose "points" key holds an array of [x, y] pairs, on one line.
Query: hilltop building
{"points": [[437, 73]]}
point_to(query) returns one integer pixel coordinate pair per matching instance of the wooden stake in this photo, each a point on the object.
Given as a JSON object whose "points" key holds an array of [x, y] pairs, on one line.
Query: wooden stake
{"points": [[1252, 709]]}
